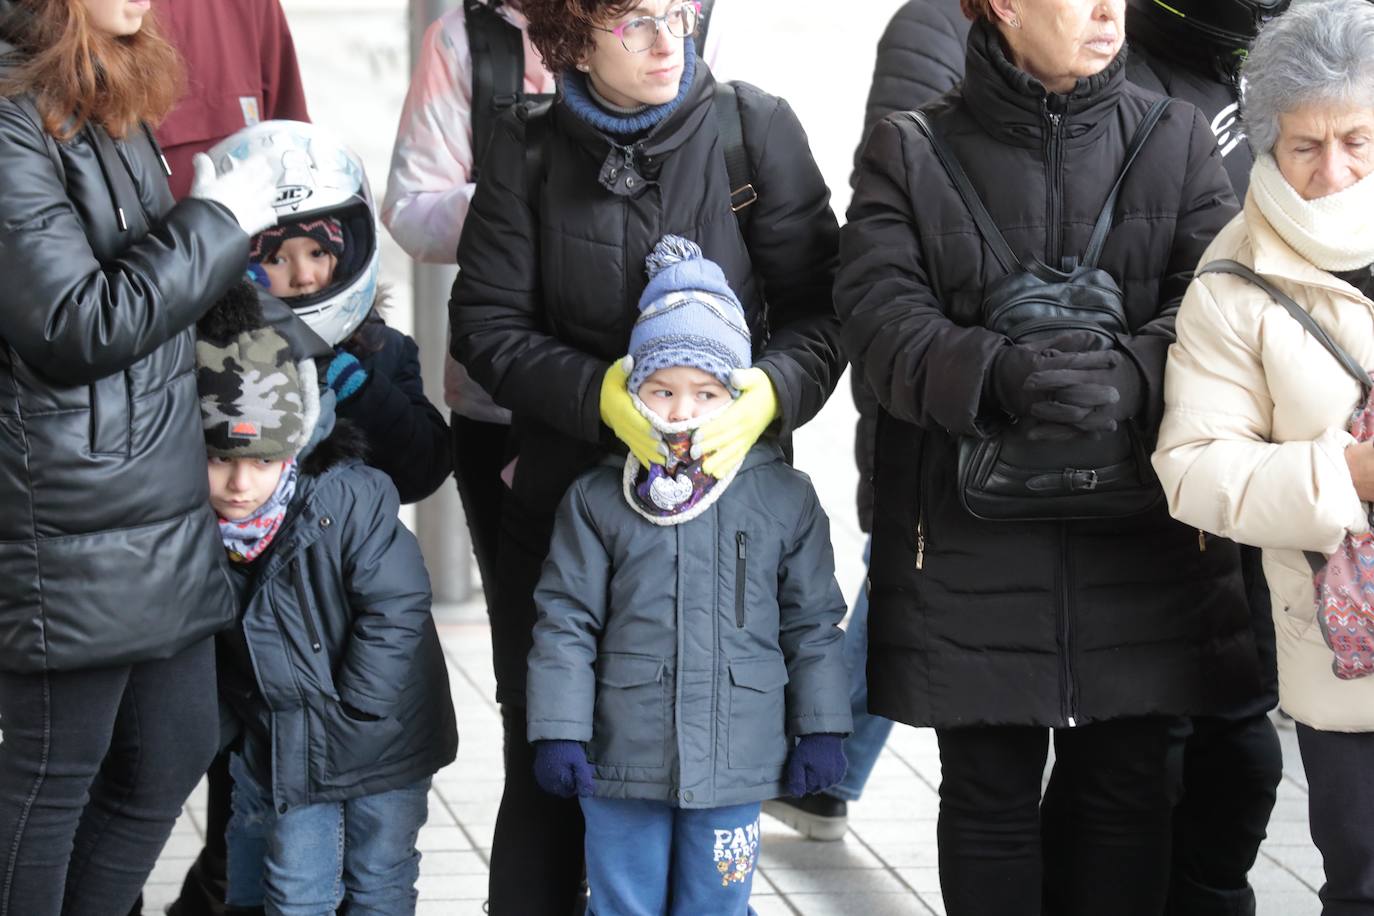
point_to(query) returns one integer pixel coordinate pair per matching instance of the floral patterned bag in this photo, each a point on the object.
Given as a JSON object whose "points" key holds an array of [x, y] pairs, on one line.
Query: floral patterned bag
{"points": [[1343, 583]]}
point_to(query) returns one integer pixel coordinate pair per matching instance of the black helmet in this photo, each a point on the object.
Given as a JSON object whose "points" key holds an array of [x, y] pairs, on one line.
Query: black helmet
{"points": [[1231, 24]]}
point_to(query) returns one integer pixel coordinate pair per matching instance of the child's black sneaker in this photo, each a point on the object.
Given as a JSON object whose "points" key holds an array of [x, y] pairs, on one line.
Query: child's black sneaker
{"points": [[816, 817]]}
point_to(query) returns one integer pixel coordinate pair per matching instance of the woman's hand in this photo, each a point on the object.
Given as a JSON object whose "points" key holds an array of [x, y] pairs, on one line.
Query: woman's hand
{"points": [[620, 414], [1360, 459], [246, 191], [727, 439]]}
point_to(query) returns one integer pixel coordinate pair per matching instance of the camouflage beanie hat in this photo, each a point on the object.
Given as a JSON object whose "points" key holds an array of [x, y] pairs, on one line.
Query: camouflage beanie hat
{"points": [[255, 400]]}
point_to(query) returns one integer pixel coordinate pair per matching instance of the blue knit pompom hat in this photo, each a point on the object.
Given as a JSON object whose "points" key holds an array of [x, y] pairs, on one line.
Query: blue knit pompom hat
{"points": [[688, 316]]}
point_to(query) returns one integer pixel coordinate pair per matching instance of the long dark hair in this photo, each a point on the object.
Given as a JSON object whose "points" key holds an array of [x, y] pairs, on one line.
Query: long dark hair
{"points": [[76, 74]]}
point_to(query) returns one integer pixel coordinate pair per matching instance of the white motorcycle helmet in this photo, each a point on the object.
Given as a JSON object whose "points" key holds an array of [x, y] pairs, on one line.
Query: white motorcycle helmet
{"points": [[317, 176]]}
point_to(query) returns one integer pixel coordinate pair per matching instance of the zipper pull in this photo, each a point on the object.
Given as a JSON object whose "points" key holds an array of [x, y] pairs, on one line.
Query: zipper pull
{"points": [[920, 544], [1201, 541], [742, 543]]}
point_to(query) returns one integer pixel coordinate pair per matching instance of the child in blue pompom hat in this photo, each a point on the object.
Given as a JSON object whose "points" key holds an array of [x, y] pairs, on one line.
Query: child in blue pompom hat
{"points": [[686, 662]]}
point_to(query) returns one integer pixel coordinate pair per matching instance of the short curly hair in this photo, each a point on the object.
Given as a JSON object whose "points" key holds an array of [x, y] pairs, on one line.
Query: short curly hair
{"points": [[561, 30], [977, 9]]}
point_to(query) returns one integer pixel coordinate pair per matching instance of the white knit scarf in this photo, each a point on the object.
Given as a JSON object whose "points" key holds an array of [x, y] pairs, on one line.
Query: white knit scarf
{"points": [[1334, 233]]}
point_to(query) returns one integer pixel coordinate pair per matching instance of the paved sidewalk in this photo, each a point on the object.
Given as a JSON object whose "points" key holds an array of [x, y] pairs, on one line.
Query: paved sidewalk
{"points": [[884, 866]]}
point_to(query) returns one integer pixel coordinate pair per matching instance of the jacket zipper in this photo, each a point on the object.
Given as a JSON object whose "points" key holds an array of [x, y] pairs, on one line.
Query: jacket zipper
{"points": [[741, 572], [298, 580], [1201, 541], [1054, 236], [921, 507], [1066, 670]]}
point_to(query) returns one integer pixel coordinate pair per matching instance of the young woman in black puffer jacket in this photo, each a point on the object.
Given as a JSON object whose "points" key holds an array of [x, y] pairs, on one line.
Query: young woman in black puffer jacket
{"points": [[111, 578]]}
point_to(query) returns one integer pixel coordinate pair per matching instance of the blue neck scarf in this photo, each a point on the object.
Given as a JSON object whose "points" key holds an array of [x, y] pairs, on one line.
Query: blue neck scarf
{"points": [[578, 99]]}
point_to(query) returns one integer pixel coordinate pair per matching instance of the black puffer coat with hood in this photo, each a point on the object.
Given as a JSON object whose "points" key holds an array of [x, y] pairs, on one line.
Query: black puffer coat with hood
{"points": [[1028, 623], [109, 551]]}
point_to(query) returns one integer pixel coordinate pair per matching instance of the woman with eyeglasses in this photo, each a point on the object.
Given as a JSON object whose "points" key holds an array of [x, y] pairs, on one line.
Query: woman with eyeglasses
{"points": [[1027, 584], [551, 263]]}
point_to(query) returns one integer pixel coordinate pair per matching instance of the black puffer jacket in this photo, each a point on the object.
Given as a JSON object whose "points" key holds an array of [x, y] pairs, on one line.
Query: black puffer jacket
{"points": [[1028, 623], [109, 552], [920, 58], [407, 437], [548, 290]]}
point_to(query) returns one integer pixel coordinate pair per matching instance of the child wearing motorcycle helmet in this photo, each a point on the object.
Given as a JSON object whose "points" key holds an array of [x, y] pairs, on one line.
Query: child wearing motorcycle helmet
{"points": [[322, 260]]}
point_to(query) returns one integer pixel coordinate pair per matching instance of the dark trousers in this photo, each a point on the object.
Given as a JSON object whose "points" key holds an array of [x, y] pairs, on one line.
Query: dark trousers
{"points": [[1340, 810], [202, 891], [537, 849], [94, 768], [479, 454], [1231, 771], [1099, 842]]}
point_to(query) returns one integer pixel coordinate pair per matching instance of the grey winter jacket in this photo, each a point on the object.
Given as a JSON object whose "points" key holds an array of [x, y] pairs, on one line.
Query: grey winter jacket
{"points": [[109, 554], [688, 656], [337, 612]]}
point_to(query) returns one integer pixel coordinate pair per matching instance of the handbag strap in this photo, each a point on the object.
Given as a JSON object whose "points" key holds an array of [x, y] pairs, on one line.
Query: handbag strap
{"points": [[991, 234], [1001, 250], [1104, 220], [1300, 315]]}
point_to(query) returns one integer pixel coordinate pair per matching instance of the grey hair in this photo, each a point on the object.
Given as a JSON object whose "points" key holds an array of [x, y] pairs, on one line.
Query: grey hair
{"points": [[1319, 51]]}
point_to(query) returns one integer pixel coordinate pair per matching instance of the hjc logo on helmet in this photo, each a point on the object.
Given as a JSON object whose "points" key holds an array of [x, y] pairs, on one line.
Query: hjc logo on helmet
{"points": [[292, 196]]}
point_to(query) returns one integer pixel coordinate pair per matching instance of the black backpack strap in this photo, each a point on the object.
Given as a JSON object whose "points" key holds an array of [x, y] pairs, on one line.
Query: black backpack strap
{"points": [[742, 193], [498, 71], [1104, 220], [704, 26], [1300, 315], [981, 218], [537, 127]]}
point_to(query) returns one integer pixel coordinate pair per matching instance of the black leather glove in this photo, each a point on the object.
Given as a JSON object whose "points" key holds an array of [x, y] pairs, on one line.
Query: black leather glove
{"points": [[1086, 400], [1010, 376]]}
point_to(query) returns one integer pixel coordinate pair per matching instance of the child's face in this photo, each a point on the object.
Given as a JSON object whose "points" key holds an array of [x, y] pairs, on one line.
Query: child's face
{"points": [[682, 393], [298, 268], [239, 486]]}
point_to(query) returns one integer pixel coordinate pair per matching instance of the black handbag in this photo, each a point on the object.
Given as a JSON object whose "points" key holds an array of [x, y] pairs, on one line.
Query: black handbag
{"points": [[1008, 476]]}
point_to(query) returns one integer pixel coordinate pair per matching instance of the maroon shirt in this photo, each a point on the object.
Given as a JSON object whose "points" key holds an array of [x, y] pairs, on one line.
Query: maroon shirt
{"points": [[240, 69]]}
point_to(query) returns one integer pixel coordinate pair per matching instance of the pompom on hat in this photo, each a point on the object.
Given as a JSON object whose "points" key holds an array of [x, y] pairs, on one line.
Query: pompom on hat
{"points": [[688, 316]]}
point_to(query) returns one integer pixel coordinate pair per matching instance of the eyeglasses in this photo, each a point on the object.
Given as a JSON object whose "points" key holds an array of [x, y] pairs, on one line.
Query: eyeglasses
{"points": [[639, 34]]}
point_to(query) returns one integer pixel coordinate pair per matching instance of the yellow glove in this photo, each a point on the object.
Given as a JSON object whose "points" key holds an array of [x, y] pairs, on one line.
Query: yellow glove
{"points": [[619, 413], [727, 439]]}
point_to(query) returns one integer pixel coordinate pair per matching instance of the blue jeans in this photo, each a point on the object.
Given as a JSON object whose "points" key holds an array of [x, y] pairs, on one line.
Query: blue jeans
{"points": [[311, 859], [643, 854], [865, 743]]}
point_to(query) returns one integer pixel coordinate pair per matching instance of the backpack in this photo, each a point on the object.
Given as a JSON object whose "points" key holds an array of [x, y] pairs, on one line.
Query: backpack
{"points": [[498, 72], [1343, 588], [1008, 476]]}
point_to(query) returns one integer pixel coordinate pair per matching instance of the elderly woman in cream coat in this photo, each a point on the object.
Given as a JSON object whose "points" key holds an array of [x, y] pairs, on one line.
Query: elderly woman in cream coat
{"points": [[1255, 442]]}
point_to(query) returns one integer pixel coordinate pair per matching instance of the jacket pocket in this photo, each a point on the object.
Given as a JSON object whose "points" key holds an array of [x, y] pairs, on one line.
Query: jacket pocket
{"points": [[758, 710], [111, 421], [741, 575], [630, 724], [354, 745]]}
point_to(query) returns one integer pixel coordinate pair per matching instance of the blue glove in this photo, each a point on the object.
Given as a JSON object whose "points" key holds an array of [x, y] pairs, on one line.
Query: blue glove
{"points": [[345, 375], [815, 763], [561, 768]]}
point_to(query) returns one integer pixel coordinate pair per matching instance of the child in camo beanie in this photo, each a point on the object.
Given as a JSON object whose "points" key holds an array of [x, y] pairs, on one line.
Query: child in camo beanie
{"points": [[259, 406]]}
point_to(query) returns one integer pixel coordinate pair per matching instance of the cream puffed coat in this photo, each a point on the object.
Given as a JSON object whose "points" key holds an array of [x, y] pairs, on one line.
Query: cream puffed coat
{"points": [[1253, 438]]}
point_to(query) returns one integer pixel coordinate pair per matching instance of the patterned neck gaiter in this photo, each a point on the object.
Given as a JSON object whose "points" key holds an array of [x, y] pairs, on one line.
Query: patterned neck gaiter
{"points": [[666, 490], [247, 538]]}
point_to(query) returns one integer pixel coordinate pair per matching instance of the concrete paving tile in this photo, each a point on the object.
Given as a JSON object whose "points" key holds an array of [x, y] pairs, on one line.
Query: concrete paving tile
{"points": [[799, 852], [448, 862], [442, 839], [770, 906], [909, 855], [858, 903], [1288, 903], [453, 887], [790, 881], [924, 881]]}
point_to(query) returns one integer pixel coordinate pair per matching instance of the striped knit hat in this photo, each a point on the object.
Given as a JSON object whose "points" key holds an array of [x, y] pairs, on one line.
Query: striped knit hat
{"points": [[326, 231], [688, 316]]}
